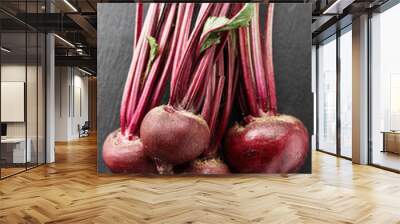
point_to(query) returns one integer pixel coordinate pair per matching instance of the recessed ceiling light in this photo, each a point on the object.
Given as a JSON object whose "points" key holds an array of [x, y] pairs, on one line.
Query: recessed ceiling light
{"points": [[5, 50], [70, 5], [84, 71], [64, 40], [337, 7]]}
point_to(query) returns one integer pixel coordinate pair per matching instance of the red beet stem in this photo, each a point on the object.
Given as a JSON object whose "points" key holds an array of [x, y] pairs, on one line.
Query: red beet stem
{"points": [[138, 22], [188, 18], [218, 11], [184, 33], [258, 60], [273, 108], [185, 14], [172, 58], [216, 104], [231, 83], [205, 113], [218, 90], [189, 75], [196, 79], [247, 70], [154, 11], [184, 62], [242, 100], [152, 77], [199, 78], [129, 82]]}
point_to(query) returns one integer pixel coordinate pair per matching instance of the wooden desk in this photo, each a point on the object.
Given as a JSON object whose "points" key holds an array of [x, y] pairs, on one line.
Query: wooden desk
{"points": [[391, 141]]}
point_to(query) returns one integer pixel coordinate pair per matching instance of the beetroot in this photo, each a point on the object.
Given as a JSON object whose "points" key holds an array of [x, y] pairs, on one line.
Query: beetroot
{"points": [[174, 136], [208, 166], [180, 131], [204, 66], [126, 155], [123, 149], [267, 142]]}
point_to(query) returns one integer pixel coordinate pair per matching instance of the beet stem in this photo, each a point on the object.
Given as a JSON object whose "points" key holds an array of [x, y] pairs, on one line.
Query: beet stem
{"points": [[258, 60], [247, 75], [242, 100], [199, 78], [232, 80], [129, 82], [138, 22], [205, 113], [218, 11], [169, 65], [140, 69], [185, 14], [188, 17], [273, 108], [216, 104], [183, 65], [145, 98]]}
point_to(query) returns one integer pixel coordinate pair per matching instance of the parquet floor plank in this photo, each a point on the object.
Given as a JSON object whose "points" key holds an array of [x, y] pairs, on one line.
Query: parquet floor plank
{"points": [[71, 191]]}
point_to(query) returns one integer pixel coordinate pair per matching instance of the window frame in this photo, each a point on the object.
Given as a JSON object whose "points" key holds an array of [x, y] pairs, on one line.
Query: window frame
{"points": [[336, 35]]}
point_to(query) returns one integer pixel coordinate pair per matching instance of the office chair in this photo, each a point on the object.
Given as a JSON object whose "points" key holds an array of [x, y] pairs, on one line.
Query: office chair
{"points": [[84, 130]]}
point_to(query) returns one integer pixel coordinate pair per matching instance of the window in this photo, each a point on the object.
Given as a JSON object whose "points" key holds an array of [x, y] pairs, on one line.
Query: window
{"points": [[346, 93], [385, 89], [334, 62], [327, 95]]}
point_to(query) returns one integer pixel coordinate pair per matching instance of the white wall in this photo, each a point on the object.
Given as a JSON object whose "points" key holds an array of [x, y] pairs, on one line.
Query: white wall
{"points": [[62, 81], [17, 73], [33, 127], [80, 110], [71, 102]]}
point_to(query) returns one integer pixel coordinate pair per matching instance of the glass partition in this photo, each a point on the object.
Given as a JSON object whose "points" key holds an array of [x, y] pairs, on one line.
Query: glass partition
{"points": [[385, 89], [14, 153], [346, 93], [41, 107], [327, 95], [32, 96], [22, 78]]}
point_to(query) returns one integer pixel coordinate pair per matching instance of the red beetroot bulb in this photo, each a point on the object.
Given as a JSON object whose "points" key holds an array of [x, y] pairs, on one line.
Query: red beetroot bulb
{"points": [[267, 144], [173, 136], [208, 166], [122, 155]]}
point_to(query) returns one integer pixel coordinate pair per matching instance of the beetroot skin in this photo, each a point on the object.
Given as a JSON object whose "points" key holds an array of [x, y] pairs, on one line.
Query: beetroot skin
{"points": [[207, 166], [268, 144], [123, 155], [173, 136]]}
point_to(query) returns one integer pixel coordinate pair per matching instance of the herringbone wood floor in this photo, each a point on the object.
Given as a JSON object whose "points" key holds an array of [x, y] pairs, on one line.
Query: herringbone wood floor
{"points": [[70, 191]]}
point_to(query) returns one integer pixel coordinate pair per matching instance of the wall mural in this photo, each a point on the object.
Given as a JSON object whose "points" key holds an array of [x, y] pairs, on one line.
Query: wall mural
{"points": [[204, 88]]}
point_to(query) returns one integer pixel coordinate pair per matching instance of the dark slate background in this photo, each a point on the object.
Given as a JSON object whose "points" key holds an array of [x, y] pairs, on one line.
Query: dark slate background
{"points": [[292, 61]]}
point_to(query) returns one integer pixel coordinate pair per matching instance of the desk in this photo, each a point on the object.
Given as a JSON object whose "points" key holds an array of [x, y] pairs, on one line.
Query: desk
{"points": [[16, 147], [391, 141]]}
